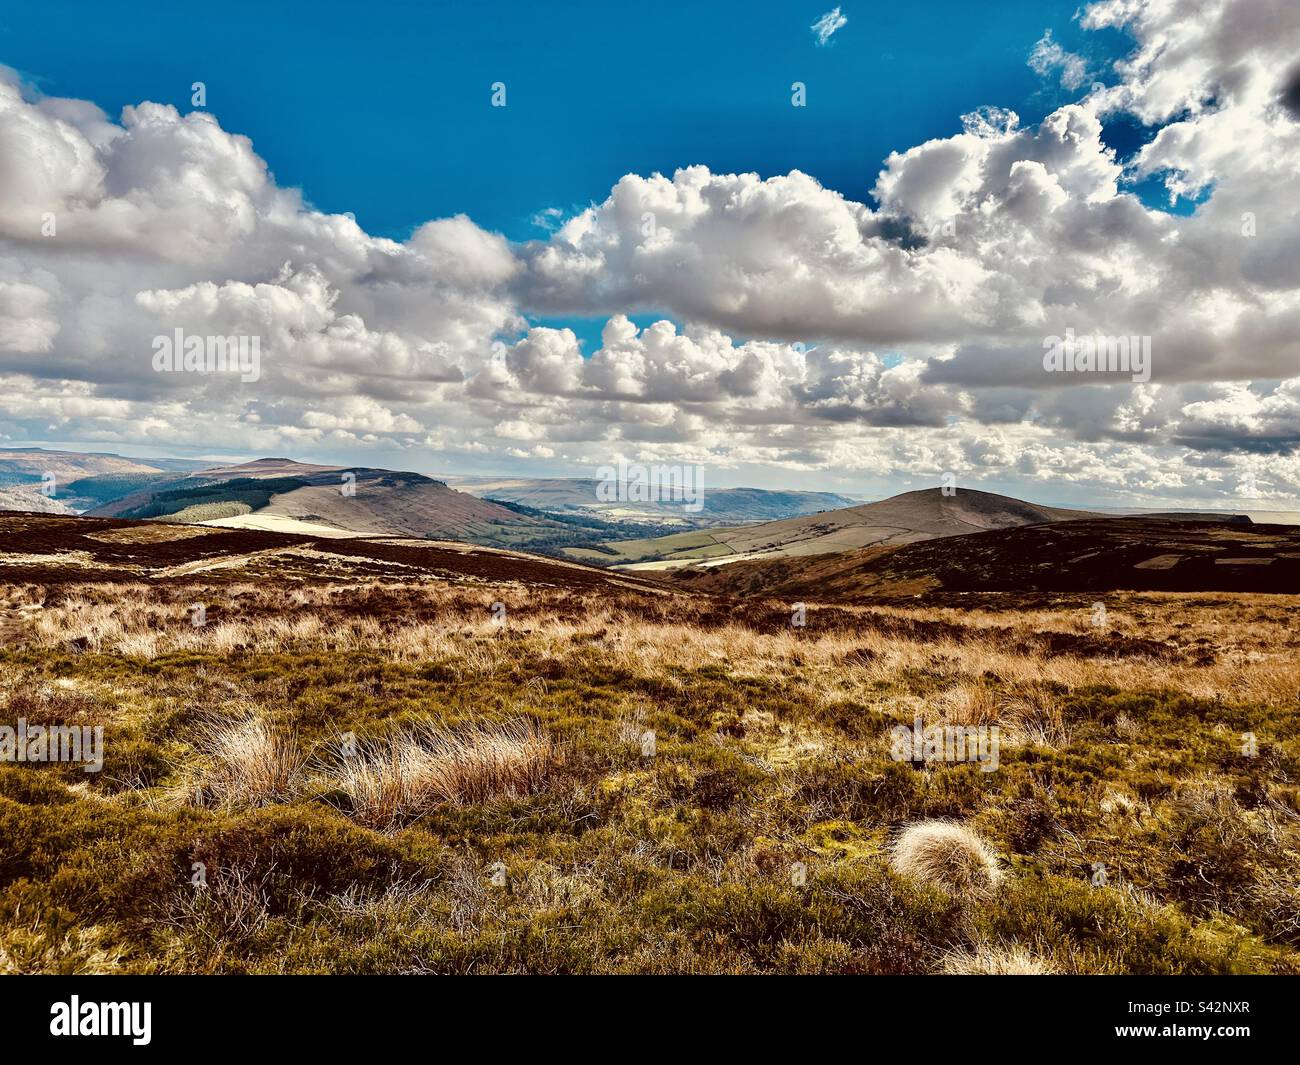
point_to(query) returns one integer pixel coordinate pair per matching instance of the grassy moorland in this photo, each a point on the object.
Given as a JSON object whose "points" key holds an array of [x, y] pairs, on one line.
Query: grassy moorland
{"points": [[379, 777]]}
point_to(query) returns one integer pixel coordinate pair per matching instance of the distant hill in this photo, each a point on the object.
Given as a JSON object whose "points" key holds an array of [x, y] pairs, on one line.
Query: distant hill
{"points": [[1111, 554], [30, 498], [18, 465], [281, 495], [720, 506], [906, 518], [80, 480]]}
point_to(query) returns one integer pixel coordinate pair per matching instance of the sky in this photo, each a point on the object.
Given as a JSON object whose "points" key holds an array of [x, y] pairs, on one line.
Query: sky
{"points": [[798, 245], [379, 109]]}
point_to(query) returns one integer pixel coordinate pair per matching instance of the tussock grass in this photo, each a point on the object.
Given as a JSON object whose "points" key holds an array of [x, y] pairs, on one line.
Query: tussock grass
{"points": [[995, 961], [948, 856], [390, 781], [245, 762]]}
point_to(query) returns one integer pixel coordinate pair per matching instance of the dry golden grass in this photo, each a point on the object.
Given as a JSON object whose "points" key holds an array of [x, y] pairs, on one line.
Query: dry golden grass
{"points": [[1251, 638], [153, 533], [105, 612], [40, 949], [390, 781], [995, 961], [948, 856], [246, 762]]}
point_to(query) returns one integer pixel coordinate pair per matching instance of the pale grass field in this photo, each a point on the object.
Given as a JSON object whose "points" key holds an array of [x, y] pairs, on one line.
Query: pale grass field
{"points": [[1252, 636], [1255, 661]]}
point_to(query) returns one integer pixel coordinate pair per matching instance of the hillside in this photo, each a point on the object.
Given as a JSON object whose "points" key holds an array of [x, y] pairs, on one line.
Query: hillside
{"points": [[30, 498], [901, 519], [22, 465], [278, 494], [389, 504], [1131, 554], [55, 550], [81, 480]]}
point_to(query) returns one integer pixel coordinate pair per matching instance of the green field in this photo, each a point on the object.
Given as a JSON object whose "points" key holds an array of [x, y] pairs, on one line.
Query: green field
{"points": [[676, 545]]}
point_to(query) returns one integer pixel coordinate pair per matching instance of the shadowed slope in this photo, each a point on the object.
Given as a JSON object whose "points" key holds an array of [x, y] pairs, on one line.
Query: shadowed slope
{"points": [[1137, 554]]}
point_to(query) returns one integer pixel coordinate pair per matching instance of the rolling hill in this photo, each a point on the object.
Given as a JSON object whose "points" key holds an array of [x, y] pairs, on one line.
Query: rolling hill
{"points": [[281, 495], [23, 465], [922, 515], [79, 480], [55, 550], [556, 516]]}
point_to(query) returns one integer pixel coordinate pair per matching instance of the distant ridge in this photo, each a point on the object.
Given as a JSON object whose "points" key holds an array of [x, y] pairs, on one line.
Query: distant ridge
{"points": [[280, 495], [720, 506], [925, 514]]}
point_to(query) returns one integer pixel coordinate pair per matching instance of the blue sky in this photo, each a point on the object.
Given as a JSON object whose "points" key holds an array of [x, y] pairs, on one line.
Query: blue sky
{"points": [[381, 108]]}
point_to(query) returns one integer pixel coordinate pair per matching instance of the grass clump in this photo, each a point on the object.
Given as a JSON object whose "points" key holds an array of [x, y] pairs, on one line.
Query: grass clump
{"points": [[948, 856], [995, 961], [390, 781], [247, 762]]}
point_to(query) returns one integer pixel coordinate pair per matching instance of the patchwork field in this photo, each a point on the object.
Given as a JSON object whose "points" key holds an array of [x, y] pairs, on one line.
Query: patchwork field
{"points": [[368, 759]]}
